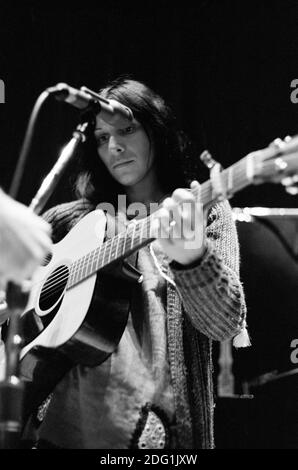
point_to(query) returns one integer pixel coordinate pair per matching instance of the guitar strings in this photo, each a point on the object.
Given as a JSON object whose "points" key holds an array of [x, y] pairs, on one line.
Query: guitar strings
{"points": [[85, 261], [78, 267]]}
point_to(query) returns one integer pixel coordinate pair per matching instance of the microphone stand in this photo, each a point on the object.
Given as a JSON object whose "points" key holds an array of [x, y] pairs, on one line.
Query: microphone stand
{"points": [[12, 386], [51, 180]]}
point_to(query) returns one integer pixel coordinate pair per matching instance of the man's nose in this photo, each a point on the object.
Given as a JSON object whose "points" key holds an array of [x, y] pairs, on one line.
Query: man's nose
{"points": [[116, 145]]}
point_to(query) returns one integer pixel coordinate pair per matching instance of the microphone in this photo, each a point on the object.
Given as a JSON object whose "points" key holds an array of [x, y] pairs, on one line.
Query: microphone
{"points": [[111, 111]]}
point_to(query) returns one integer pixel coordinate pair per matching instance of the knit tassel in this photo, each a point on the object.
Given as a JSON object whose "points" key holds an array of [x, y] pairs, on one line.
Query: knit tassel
{"points": [[242, 340]]}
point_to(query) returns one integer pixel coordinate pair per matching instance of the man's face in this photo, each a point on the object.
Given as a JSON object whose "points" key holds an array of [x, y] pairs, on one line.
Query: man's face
{"points": [[126, 151]]}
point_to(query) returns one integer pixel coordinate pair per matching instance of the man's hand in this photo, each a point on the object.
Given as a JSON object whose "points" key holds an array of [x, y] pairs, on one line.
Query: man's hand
{"points": [[180, 226], [24, 240]]}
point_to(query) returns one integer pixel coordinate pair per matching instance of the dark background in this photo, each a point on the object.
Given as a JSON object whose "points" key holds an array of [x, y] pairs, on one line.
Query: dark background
{"points": [[225, 67]]}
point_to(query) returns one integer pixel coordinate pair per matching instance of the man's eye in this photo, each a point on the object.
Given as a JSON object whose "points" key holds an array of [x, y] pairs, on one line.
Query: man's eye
{"points": [[101, 139], [129, 129]]}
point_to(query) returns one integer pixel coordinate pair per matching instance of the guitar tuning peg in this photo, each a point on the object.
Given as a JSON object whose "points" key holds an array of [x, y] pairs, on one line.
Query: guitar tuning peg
{"points": [[290, 180], [291, 185], [207, 159], [292, 190], [218, 184], [277, 143]]}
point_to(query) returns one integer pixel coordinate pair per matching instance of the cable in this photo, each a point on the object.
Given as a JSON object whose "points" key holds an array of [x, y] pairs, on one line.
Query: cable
{"points": [[16, 181]]}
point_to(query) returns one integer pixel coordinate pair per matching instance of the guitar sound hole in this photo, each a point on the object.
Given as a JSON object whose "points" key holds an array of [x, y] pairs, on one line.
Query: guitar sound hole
{"points": [[53, 288]]}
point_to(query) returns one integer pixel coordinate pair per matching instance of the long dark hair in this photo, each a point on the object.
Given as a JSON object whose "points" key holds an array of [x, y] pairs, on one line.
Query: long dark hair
{"points": [[172, 148]]}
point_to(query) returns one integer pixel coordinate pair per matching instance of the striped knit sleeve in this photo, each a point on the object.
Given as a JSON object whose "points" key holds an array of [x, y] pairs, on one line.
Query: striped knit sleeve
{"points": [[211, 291]]}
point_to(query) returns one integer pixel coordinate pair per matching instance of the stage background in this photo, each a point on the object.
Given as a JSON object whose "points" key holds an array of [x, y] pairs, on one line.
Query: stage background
{"points": [[226, 68]]}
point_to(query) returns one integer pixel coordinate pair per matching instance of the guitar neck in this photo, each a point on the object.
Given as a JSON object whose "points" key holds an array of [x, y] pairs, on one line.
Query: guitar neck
{"points": [[137, 234]]}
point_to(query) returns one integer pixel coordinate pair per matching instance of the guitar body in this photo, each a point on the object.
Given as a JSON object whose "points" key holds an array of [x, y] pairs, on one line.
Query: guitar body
{"points": [[83, 323]]}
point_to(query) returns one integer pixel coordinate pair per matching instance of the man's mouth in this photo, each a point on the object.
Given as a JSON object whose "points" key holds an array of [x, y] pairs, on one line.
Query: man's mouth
{"points": [[122, 163]]}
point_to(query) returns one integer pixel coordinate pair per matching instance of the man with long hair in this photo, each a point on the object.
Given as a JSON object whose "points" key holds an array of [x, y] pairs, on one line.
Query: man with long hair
{"points": [[155, 390]]}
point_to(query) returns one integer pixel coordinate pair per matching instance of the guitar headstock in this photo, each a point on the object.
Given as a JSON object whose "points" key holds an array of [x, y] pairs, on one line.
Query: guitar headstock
{"points": [[278, 163]]}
